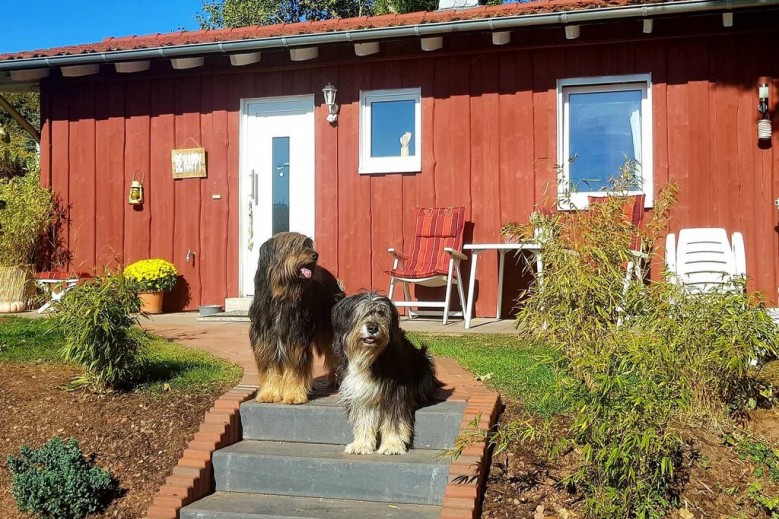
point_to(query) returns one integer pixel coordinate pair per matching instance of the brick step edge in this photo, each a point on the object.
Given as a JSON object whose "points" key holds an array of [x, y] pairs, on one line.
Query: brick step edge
{"points": [[193, 477], [468, 473]]}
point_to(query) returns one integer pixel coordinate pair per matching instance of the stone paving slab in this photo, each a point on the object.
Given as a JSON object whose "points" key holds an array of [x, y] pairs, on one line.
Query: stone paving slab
{"points": [[225, 505], [318, 470], [323, 420]]}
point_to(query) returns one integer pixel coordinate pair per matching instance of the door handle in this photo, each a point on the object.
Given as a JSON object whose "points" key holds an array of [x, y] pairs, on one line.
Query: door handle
{"points": [[253, 180], [256, 187]]}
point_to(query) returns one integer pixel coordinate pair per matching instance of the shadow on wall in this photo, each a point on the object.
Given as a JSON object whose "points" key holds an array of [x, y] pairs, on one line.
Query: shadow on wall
{"points": [[177, 299]]}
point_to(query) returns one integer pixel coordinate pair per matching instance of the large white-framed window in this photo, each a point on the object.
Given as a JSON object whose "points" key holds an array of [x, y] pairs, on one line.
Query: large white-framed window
{"points": [[391, 131], [602, 123]]}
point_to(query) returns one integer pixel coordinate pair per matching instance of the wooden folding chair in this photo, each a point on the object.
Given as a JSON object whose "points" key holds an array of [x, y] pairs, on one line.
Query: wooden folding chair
{"points": [[434, 260]]}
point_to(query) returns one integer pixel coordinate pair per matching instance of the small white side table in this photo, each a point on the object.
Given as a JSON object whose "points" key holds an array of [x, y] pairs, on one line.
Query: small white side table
{"points": [[502, 248]]}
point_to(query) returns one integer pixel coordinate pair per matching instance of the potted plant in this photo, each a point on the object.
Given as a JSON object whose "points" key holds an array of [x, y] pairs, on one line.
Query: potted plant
{"points": [[151, 279], [26, 215], [513, 232]]}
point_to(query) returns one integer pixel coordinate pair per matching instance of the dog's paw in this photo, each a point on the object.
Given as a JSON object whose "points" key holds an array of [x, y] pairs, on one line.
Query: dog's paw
{"points": [[295, 398], [268, 396], [392, 448], [359, 448]]}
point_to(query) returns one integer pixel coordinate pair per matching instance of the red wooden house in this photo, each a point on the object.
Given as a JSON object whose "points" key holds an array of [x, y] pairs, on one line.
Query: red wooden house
{"points": [[493, 98]]}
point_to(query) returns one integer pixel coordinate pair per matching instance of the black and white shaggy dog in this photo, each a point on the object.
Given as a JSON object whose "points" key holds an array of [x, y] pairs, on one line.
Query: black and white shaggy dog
{"points": [[385, 378], [291, 317]]}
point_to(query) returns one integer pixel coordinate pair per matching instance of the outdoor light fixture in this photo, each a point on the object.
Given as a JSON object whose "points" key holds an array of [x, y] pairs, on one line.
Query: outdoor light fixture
{"points": [[332, 107], [764, 124], [366, 49], [431, 43], [501, 38]]}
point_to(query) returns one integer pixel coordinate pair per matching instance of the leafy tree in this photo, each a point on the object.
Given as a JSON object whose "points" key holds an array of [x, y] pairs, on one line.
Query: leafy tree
{"points": [[240, 13], [20, 153]]}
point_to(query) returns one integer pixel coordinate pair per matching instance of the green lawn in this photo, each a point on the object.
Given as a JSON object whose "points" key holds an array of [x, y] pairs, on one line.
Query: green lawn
{"points": [[512, 366], [164, 362]]}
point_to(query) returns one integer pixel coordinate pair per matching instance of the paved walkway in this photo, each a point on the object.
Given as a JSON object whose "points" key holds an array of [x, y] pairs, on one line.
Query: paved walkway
{"points": [[230, 340]]}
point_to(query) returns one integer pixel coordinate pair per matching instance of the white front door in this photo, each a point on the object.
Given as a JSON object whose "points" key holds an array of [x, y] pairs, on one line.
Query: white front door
{"points": [[277, 175]]}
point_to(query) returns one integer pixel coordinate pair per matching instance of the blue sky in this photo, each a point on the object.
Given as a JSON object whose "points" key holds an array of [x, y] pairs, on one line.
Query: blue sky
{"points": [[37, 24]]}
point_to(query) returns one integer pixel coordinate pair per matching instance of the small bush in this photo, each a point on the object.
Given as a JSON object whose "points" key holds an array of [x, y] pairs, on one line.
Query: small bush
{"points": [[58, 482], [99, 321], [28, 213], [645, 358]]}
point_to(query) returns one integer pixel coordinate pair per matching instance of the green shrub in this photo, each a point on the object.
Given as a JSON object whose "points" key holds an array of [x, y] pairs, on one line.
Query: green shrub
{"points": [[761, 455], [645, 358], [99, 321], [58, 482], [26, 216], [770, 505]]}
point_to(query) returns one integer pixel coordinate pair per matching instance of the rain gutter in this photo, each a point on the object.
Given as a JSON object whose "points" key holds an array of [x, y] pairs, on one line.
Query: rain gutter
{"points": [[383, 33]]}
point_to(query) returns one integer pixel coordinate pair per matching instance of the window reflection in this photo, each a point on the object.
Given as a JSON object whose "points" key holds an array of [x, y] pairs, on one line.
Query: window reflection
{"points": [[604, 132], [392, 128]]}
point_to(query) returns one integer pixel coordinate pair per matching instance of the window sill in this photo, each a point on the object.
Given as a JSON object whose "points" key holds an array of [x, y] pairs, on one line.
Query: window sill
{"points": [[580, 202], [382, 169]]}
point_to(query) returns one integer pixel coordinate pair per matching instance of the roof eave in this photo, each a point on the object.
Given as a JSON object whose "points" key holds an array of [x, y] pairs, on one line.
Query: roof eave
{"points": [[383, 33]]}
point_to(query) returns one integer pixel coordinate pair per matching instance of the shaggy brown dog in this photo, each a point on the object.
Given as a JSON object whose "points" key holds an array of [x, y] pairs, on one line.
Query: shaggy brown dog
{"points": [[290, 317], [385, 379]]}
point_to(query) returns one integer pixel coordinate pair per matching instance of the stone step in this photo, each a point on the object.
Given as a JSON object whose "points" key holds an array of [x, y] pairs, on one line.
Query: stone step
{"points": [[227, 505], [322, 420], [316, 470], [233, 304]]}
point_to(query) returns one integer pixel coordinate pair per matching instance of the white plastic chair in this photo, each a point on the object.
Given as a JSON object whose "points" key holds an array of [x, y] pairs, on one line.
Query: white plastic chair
{"points": [[704, 260]]}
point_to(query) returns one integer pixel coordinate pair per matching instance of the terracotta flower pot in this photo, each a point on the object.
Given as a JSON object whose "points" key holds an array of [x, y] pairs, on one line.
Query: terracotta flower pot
{"points": [[151, 302]]}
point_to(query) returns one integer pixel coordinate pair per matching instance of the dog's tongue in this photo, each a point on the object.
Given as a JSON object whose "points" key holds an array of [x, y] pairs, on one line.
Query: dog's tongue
{"points": [[306, 272]]}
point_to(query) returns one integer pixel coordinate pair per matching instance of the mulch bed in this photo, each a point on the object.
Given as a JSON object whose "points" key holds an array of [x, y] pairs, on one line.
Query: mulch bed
{"points": [[523, 483], [138, 437]]}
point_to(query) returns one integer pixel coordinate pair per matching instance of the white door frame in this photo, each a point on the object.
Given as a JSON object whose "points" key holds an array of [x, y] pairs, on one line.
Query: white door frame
{"points": [[285, 105]]}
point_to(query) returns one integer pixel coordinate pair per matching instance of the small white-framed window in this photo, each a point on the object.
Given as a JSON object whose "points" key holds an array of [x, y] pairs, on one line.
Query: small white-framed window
{"points": [[391, 131], [602, 123]]}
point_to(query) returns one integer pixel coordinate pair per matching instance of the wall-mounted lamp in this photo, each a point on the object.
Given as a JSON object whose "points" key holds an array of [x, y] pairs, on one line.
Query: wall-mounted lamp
{"points": [[764, 124], [332, 107], [136, 191]]}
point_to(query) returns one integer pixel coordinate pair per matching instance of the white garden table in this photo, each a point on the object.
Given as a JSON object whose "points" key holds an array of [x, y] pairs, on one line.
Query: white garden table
{"points": [[501, 248]]}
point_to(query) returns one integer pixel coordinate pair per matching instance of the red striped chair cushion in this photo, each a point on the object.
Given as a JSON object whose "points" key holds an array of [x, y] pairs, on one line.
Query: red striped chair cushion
{"points": [[632, 209], [436, 229]]}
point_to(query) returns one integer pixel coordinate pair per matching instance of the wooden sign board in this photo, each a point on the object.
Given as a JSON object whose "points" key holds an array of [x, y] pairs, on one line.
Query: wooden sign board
{"points": [[189, 163]]}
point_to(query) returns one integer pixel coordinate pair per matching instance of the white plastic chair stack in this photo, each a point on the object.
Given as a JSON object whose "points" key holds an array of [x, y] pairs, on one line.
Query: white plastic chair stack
{"points": [[704, 260]]}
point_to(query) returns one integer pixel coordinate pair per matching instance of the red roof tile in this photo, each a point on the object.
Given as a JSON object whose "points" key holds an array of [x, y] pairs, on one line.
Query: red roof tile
{"points": [[348, 24]]}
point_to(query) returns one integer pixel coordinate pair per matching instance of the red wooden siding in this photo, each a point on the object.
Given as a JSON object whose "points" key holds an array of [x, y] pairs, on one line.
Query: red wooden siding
{"points": [[489, 143]]}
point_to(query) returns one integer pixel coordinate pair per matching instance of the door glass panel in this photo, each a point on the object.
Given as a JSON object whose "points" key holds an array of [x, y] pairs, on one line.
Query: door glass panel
{"points": [[280, 172]]}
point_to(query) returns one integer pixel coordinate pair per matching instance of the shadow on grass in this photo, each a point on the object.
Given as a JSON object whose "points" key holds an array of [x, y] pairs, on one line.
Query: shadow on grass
{"points": [[160, 371]]}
